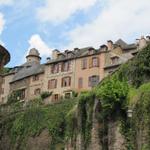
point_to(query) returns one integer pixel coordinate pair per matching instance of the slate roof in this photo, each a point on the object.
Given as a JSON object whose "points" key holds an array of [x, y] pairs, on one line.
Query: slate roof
{"points": [[76, 54], [27, 70], [122, 59], [124, 45]]}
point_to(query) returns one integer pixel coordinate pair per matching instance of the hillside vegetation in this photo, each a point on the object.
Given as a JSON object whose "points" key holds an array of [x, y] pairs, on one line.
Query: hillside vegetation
{"points": [[71, 123]]}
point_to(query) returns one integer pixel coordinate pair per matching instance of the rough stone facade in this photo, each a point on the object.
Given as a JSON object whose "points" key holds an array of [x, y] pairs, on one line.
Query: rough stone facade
{"points": [[76, 70]]}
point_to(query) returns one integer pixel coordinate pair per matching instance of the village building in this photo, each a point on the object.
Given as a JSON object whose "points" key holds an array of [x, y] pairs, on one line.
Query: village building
{"points": [[4, 59], [67, 72]]}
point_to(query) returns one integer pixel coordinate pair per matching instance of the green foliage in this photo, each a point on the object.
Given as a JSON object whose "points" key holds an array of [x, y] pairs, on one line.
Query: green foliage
{"points": [[45, 94], [5, 70], [131, 98], [35, 118], [139, 123], [74, 93], [112, 94], [137, 71], [71, 122], [29, 123], [13, 97], [85, 107]]}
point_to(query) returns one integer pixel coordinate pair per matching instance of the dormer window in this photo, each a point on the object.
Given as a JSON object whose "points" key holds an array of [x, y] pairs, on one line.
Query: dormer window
{"points": [[69, 54], [114, 60], [91, 51], [61, 55], [76, 50]]}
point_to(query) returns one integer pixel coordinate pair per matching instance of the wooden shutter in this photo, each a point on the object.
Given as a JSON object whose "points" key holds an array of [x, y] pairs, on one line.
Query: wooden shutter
{"points": [[90, 63]]}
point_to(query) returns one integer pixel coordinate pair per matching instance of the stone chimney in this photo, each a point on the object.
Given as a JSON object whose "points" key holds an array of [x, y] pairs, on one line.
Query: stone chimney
{"points": [[76, 50], [148, 38], [110, 45], [142, 42], [137, 41], [55, 54], [103, 47], [48, 58]]}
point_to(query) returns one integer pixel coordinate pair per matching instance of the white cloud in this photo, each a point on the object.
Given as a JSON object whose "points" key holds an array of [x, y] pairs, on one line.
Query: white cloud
{"points": [[6, 2], [119, 19], [36, 42], [2, 23], [60, 10]]}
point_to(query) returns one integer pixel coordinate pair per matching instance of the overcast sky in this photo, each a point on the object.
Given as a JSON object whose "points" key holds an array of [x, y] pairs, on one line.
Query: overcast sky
{"points": [[65, 24]]}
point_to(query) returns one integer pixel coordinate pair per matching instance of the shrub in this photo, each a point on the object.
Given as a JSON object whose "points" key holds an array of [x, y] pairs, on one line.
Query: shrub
{"points": [[45, 94]]}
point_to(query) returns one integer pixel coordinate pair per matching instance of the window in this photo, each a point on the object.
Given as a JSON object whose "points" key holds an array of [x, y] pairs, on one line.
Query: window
{"points": [[80, 82], [52, 84], [22, 94], [93, 80], [66, 66], [66, 81], [55, 97], [95, 62], [67, 95], [84, 63], [91, 51], [69, 54], [35, 78], [37, 91], [114, 60], [55, 68]]}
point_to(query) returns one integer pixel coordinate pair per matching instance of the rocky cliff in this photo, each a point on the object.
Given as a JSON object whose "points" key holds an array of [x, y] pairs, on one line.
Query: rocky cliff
{"points": [[95, 120]]}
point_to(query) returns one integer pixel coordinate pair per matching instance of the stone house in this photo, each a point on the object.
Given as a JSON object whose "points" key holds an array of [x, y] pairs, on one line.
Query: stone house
{"points": [[4, 59], [68, 71]]}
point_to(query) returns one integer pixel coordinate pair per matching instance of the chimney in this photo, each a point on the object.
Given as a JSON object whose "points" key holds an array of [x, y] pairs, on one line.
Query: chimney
{"points": [[148, 38], [48, 58], [137, 41], [110, 45], [103, 47], [76, 50], [142, 42], [55, 54]]}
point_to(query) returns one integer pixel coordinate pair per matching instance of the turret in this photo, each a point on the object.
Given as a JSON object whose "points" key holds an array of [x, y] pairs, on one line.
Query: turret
{"points": [[142, 42], [33, 56], [4, 56]]}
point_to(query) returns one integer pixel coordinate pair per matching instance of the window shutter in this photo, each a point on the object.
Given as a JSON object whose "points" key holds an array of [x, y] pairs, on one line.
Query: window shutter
{"points": [[97, 62], [89, 81], [55, 83], [90, 63]]}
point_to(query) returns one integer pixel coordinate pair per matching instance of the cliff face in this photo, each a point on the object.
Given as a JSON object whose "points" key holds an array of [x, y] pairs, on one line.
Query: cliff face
{"points": [[95, 120]]}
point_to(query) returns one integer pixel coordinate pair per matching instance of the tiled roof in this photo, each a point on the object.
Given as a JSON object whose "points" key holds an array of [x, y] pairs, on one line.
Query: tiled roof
{"points": [[28, 69]]}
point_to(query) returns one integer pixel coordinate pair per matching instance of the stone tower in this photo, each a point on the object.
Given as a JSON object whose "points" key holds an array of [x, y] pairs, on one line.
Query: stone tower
{"points": [[33, 56], [4, 56]]}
